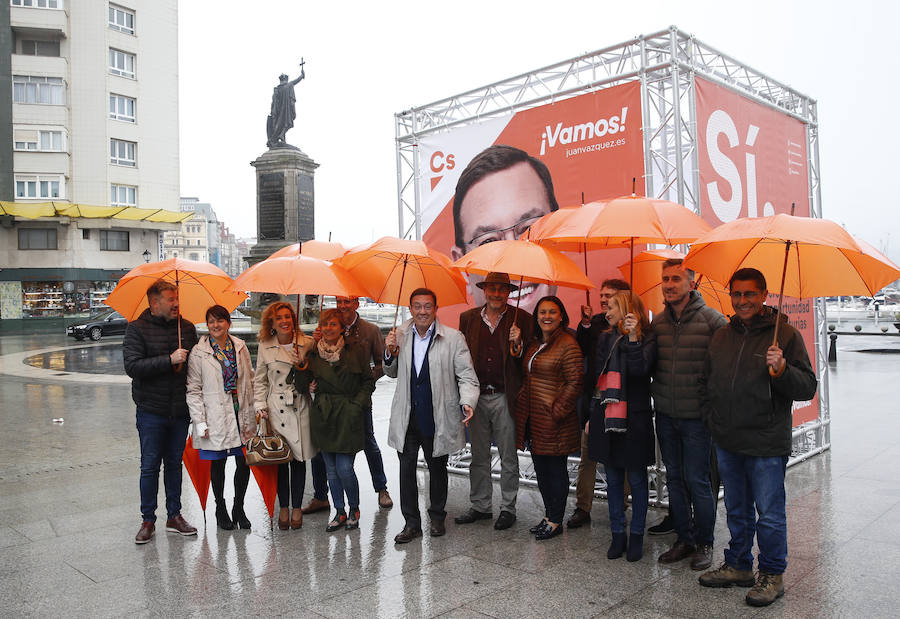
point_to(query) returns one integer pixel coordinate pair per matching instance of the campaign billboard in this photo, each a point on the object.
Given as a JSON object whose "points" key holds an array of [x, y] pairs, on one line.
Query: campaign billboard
{"points": [[593, 147], [753, 163]]}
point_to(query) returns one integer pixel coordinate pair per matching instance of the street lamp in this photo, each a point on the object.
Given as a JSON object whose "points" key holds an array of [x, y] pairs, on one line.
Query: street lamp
{"points": [[146, 255]]}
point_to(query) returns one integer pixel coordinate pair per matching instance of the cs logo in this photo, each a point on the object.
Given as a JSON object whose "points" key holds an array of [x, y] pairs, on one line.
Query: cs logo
{"points": [[438, 163]]}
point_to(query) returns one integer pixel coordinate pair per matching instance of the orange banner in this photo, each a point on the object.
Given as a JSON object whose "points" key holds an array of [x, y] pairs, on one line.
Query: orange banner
{"points": [[753, 163]]}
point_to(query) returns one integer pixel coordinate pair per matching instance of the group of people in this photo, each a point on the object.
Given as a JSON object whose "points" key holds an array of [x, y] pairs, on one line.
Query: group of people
{"points": [[315, 392], [716, 394]]}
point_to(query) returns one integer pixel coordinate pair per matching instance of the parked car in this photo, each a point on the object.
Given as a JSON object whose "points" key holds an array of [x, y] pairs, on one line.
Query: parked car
{"points": [[110, 322]]}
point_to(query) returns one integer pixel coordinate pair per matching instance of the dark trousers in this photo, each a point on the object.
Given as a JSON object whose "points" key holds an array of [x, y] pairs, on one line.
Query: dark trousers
{"points": [[241, 480], [162, 442], [373, 457], [553, 482], [409, 488], [291, 481]]}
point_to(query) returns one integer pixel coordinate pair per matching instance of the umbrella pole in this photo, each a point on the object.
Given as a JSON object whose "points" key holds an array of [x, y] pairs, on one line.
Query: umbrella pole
{"points": [[178, 329], [787, 250], [512, 347], [587, 293], [397, 306]]}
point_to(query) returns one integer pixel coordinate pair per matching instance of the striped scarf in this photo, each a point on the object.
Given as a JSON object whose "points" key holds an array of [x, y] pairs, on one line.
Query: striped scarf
{"points": [[610, 389]]}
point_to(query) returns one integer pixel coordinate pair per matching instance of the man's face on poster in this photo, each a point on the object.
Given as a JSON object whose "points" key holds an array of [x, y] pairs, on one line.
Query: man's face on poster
{"points": [[501, 206]]}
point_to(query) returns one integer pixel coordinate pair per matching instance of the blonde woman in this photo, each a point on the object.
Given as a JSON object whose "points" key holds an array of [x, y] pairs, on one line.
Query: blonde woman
{"points": [[282, 397]]}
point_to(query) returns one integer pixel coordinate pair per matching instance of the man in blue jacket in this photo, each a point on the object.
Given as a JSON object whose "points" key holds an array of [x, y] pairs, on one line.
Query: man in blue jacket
{"points": [[155, 361], [747, 391]]}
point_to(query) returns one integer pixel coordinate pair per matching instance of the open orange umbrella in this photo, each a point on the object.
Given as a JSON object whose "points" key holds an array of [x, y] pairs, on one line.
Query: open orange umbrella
{"points": [[391, 268], [298, 274], [526, 261], [808, 257], [198, 470], [647, 283], [326, 250]]}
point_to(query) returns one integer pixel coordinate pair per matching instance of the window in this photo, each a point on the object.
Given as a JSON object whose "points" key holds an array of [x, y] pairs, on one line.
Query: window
{"points": [[37, 238], [40, 48], [114, 240], [194, 256], [86, 234], [33, 89], [121, 108], [47, 141], [39, 4], [40, 186], [121, 19], [122, 152], [121, 63], [122, 195]]}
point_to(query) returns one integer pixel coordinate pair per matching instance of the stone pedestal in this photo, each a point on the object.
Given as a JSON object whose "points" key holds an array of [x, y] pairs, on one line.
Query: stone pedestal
{"points": [[285, 207]]}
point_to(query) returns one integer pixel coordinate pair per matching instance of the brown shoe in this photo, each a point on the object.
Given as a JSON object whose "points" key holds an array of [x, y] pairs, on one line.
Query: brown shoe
{"points": [[315, 505], [727, 576], [283, 518], [384, 499], [579, 518], [437, 528], [179, 525], [145, 533], [407, 535], [702, 557], [677, 552], [296, 518], [768, 588]]}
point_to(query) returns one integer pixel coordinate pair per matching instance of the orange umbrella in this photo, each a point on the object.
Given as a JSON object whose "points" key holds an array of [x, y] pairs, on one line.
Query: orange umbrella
{"points": [[526, 261], [298, 274], [647, 284], [391, 268], [326, 250], [266, 476], [621, 222], [198, 471], [200, 286]]}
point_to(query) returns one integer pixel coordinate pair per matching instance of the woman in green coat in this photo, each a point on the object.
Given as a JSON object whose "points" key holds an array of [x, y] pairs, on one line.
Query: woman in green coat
{"points": [[343, 388]]}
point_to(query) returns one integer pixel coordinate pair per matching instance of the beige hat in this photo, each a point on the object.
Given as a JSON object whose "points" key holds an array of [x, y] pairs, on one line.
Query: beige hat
{"points": [[497, 278]]}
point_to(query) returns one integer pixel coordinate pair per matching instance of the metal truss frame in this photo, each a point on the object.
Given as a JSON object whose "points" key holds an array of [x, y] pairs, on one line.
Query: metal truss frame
{"points": [[666, 63]]}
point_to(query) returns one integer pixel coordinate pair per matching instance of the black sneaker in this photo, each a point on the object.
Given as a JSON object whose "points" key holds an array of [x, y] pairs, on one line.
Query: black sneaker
{"points": [[663, 528]]}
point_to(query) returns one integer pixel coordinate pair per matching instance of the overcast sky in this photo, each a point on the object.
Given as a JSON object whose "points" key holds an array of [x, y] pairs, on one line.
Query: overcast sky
{"points": [[367, 61]]}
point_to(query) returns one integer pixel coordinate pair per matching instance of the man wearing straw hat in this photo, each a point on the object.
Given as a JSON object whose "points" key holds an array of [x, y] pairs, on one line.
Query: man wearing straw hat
{"points": [[747, 390], [487, 331], [154, 360]]}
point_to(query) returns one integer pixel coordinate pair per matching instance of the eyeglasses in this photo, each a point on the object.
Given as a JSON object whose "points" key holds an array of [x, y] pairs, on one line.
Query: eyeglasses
{"points": [[511, 233], [749, 295], [422, 307]]}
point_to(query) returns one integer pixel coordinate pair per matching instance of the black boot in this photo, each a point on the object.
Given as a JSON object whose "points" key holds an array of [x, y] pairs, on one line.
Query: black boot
{"points": [[239, 518], [222, 518], [635, 547], [617, 546]]}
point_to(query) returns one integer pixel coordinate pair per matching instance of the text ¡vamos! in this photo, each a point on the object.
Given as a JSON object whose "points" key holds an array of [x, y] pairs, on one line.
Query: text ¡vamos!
{"points": [[584, 131]]}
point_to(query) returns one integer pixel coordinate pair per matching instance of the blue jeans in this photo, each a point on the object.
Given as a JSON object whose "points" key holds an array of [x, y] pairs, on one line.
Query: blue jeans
{"points": [[685, 445], [373, 457], [615, 498], [754, 485], [341, 478], [162, 441]]}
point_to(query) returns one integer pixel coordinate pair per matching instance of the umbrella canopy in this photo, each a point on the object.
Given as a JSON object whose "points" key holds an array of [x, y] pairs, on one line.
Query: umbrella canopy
{"points": [[198, 470], [621, 222], [266, 476], [647, 284], [816, 256], [326, 250], [200, 286], [526, 261], [298, 274], [391, 268]]}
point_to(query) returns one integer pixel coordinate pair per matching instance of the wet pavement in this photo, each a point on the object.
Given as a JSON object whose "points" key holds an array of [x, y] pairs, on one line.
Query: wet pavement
{"points": [[69, 512]]}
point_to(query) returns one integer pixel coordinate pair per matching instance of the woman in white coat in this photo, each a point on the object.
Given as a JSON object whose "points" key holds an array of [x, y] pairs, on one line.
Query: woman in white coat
{"points": [[221, 403], [282, 397]]}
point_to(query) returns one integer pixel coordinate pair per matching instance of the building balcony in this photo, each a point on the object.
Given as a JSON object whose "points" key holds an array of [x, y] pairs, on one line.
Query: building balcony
{"points": [[41, 162], [53, 22], [45, 66]]}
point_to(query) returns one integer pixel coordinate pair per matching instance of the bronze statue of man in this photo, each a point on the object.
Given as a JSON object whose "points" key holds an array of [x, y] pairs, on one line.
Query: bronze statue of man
{"points": [[281, 117]]}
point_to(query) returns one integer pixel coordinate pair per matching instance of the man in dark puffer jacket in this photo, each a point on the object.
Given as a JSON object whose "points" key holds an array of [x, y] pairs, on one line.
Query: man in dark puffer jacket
{"points": [[749, 412], [683, 332], [155, 363]]}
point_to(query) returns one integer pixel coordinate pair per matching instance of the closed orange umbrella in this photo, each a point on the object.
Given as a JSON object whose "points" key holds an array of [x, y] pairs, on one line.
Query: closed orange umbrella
{"points": [[326, 250], [391, 268], [198, 470], [648, 284], [266, 476], [200, 286]]}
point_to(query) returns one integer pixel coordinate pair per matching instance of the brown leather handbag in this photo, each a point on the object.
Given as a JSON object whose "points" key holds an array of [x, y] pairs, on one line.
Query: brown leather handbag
{"points": [[268, 447]]}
